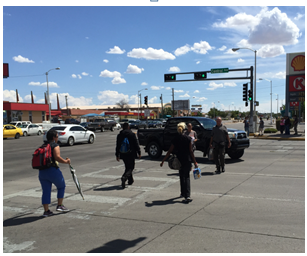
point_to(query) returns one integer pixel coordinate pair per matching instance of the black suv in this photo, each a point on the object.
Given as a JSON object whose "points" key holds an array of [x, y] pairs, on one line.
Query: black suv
{"points": [[159, 139]]}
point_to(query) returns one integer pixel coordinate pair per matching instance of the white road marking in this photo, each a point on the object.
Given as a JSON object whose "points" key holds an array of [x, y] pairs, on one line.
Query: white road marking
{"points": [[9, 248]]}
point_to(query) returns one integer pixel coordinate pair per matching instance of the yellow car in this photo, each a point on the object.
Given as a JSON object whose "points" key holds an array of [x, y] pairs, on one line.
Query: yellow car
{"points": [[11, 131]]}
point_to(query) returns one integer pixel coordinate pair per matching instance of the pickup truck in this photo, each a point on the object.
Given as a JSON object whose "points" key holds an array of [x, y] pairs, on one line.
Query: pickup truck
{"points": [[102, 125], [159, 139]]}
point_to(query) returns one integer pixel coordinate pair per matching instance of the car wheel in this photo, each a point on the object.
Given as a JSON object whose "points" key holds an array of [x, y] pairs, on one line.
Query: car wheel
{"points": [[39, 133], [17, 136], [91, 139], [25, 134], [102, 129], [70, 141], [154, 150], [112, 129], [237, 154]]}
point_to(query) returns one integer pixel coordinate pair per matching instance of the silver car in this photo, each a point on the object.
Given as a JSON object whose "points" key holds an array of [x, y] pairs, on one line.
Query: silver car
{"points": [[72, 133]]}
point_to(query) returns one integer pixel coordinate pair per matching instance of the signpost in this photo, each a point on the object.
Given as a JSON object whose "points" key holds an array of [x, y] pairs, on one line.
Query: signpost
{"points": [[219, 70]]}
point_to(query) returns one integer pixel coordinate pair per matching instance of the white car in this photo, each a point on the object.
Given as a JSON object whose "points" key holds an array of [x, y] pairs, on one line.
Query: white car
{"points": [[72, 133], [117, 126], [31, 129]]}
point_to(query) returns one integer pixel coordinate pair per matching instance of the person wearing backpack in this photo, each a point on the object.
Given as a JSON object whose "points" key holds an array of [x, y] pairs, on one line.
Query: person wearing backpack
{"points": [[127, 149], [53, 175]]}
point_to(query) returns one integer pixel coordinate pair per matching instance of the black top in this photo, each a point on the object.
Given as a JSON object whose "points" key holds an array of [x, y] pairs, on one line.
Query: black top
{"points": [[182, 144], [134, 144], [287, 122], [53, 145], [219, 134]]}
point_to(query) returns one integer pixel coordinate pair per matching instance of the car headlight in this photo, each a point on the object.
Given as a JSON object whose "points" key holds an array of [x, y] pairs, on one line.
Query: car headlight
{"points": [[232, 135]]}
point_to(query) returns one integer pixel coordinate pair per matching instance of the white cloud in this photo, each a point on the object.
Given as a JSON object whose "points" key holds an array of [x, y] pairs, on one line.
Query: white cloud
{"points": [[84, 74], [71, 100], [155, 88], [223, 48], [152, 100], [10, 95], [196, 91], [182, 50], [201, 99], [115, 50], [244, 44], [280, 75], [197, 62], [118, 80], [86, 37], [214, 86], [202, 47], [74, 76], [132, 69], [111, 97], [230, 51], [168, 88], [185, 96], [50, 84], [80, 77], [299, 16], [77, 61], [107, 73], [267, 51], [174, 69], [241, 60], [231, 84], [105, 61], [150, 54], [177, 91], [21, 59], [29, 99], [133, 99], [144, 83]]}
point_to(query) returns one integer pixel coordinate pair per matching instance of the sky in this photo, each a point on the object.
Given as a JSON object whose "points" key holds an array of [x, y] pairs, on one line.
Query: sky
{"points": [[109, 53]]}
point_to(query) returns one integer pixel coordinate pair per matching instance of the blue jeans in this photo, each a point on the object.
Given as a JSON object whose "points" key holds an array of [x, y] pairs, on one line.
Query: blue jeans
{"points": [[287, 131], [247, 130], [46, 178]]}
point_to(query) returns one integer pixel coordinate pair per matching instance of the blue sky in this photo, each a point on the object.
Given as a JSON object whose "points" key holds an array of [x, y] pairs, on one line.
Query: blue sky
{"points": [[107, 53]]}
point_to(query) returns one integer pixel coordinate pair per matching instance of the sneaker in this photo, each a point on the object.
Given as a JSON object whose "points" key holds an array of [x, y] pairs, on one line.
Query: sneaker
{"points": [[218, 170], [62, 208], [48, 213], [123, 183], [181, 196], [130, 182], [223, 169], [188, 200]]}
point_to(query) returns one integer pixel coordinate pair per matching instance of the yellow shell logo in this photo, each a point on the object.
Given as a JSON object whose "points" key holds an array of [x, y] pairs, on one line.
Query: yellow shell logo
{"points": [[298, 63]]}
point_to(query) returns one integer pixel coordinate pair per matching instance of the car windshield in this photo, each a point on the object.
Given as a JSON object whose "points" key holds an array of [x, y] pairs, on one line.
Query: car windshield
{"points": [[24, 126], [207, 123], [58, 128]]}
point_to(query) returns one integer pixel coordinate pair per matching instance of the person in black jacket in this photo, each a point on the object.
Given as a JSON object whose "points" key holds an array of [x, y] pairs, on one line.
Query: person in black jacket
{"points": [[129, 155], [287, 125]]}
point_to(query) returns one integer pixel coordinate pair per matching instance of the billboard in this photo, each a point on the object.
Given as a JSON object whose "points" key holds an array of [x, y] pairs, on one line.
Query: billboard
{"points": [[181, 105]]}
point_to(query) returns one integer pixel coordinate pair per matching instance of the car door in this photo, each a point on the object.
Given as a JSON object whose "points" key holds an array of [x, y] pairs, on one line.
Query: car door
{"points": [[82, 134], [31, 129], [76, 134]]}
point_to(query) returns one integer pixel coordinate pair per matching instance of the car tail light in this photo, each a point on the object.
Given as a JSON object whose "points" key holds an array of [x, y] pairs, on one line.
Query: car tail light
{"points": [[61, 133]]}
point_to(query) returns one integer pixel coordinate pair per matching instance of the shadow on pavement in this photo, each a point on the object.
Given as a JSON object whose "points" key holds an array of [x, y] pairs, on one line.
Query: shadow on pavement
{"points": [[109, 188], [163, 202], [117, 246], [18, 220]]}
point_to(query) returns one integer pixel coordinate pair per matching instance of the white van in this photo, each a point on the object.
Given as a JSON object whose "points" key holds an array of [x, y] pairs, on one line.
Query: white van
{"points": [[19, 123], [46, 126]]}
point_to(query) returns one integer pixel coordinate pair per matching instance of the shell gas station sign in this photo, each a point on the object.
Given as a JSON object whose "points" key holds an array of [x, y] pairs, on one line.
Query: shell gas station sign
{"points": [[295, 81]]}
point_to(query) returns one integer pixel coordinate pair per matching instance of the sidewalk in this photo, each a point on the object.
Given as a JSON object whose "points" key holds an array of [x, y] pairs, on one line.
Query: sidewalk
{"points": [[278, 136]]}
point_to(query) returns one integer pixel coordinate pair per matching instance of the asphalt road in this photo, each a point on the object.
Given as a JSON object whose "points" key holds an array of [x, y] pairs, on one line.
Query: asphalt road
{"points": [[257, 205]]}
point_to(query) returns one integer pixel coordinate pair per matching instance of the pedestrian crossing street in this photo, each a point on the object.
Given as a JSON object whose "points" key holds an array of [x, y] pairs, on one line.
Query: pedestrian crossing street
{"points": [[102, 192]]}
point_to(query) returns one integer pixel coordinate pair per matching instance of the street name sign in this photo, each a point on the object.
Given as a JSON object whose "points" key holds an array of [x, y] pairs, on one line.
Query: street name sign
{"points": [[219, 70]]}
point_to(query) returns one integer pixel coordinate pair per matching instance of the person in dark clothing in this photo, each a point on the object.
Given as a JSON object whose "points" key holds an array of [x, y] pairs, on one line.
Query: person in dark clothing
{"points": [[128, 156], [182, 145], [287, 126], [218, 137], [295, 123]]}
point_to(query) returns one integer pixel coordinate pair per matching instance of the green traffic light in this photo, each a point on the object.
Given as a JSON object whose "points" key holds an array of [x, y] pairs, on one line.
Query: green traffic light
{"points": [[203, 75], [249, 98], [172, 77]]}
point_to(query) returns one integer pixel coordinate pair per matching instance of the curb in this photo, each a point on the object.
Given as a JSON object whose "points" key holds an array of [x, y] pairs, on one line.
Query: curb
{"points": [[278, 138]]}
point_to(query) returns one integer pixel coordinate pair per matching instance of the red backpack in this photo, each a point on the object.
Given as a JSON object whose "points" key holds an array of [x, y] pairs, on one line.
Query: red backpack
{"points": [[42, 157]]}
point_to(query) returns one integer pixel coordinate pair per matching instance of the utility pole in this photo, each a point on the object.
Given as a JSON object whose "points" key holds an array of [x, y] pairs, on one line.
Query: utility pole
{"points": [[161, 104], [173, 102], [66, 103], [140, 106]]}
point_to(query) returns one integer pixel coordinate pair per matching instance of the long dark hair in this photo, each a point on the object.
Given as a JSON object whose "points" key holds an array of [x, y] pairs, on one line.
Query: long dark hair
{"points": [[51, 134]]}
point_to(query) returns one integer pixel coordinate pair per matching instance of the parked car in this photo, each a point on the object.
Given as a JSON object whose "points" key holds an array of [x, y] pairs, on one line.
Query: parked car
{"points": [[125, 121], [117, 126], [85, 124], [72, 133], [102, 125], [137, 124], [158, 140], [11, 131], [19, 123], [71, 121], [31, 129], [46, 125], [155, 124]]}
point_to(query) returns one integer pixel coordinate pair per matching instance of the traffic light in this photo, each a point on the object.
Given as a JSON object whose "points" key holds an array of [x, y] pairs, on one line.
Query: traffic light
{"points": [[250, 95], [200, 75], [169, 77], [145, 100], [245, 92]]}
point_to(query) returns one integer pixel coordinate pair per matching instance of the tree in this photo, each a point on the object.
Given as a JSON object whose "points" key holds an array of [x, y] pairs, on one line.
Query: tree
{"points": [[167, 111], [122, 104]]}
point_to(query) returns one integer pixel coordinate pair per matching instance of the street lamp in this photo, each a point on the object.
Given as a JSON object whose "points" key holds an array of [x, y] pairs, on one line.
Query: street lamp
{"points": [[277, 103], [271, 97], [253, 107], [139, 100], [48, 91]]}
